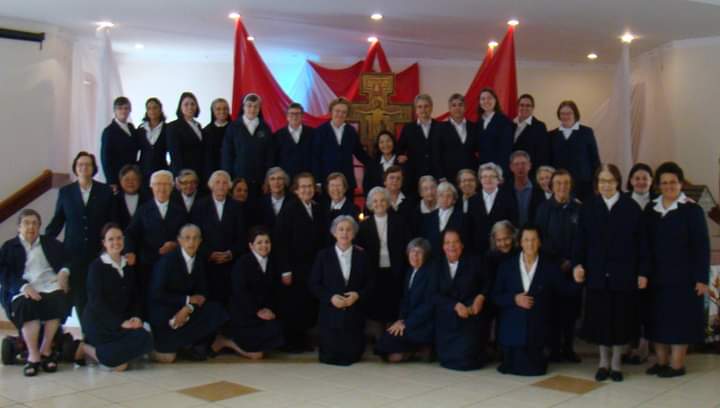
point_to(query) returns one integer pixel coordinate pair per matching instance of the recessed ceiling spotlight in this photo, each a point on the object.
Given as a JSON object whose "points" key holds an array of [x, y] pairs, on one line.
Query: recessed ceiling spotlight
{"points": [[104, 24], [372, 39], [234, 15], [139, 46], [513, 22], [628, 37], [250, 38], [592, 56], [493, 44], [376, 16]]}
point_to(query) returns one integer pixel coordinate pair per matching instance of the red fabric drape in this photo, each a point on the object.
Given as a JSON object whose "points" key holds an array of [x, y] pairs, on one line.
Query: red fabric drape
{"points": [[338, 80]]}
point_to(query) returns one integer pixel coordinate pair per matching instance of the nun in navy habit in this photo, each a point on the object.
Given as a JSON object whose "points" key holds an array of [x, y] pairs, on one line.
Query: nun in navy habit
{"points": [[460, 288], [341, 281], [523, 290], [253, 325], [111, 323], [414, 328], [181, 317]]}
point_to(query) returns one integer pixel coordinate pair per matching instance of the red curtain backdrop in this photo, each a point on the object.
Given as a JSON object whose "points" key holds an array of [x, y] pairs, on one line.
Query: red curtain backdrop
{"points": [[251, 75]]}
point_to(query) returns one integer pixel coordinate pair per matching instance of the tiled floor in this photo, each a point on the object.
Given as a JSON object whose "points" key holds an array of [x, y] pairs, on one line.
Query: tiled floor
{"points": [[299, 381]]}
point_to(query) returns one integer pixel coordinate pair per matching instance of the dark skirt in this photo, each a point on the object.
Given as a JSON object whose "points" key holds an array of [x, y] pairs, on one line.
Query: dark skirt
{"points": [[461, 343], [297, 307], [79, 265], [610, 317], [219, 282], [528, 361], [677, 315], [389, 344], [384, 302], [126, 346], [203, 324], [341, 346], [51, 306], [258, 335]]}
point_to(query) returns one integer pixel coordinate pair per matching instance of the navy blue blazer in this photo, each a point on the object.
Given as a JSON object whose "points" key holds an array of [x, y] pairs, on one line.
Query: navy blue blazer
{"points": [[610, 244], [82, 222], [264, 214], [419, 152], [520, 327], [578, 154], [327, 280], [148, 231], [187, 150], [398, 235], [248, 155], [559, 226], [252, 289], [374, 173], [679, 245], [117, 149], [112, 299], [470, 280], [450, 154], [122, 214], [537, 197], [12, 265], [153, 157], [298, 238], [292, 157], [495, 143], [481, 222], [430, 228], [535, 141], [329, 157], [177, 198], [228, 233], [416, 306], [172, 283], [213, 137]]}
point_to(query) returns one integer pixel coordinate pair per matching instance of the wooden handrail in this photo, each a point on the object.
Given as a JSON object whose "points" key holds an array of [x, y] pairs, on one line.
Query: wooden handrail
{"points": [[28, 193]]}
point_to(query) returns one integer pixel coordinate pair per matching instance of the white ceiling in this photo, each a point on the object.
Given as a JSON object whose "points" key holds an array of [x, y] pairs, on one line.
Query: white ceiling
{"points": [[550, 30]]}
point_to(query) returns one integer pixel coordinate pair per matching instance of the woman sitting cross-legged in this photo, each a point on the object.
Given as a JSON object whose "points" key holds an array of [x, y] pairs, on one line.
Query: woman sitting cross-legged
{"points": [[253, 328], [114, 334], [34, 287], [182, 319], [412, 334], [524, 287], [340, 281]]}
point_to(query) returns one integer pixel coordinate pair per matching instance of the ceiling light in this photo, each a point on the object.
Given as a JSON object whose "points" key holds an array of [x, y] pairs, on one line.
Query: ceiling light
{"points": [[250, 38], [493, 44], [104, 24], [592, 56], [234, 15], [139, 46], [376, 16], [513, 22], [372, 39], [627, 38]]}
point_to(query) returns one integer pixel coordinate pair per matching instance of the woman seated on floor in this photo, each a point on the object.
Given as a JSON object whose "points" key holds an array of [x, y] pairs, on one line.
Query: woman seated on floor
{"points": [[412, 334], [114, 334], [35, 285], [182, 320], [253, 328]]}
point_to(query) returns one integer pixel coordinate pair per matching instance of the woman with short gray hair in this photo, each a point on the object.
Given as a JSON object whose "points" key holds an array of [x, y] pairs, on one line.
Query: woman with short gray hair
{"points": [[489, 206], [412, 333], [444, 217], [341, 282], [384, 235]]}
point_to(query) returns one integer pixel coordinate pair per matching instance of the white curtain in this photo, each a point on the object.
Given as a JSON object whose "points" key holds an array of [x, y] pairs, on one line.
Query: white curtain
{"points": [[95, 83], [613, 121], [311, 91]]}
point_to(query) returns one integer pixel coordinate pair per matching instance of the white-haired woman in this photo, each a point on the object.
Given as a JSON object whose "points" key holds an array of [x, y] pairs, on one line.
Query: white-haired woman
{"points": [[269, 206], [341, 281], [223, 225], [384, 235], [489, 206], [444, 217], [427, 189]]}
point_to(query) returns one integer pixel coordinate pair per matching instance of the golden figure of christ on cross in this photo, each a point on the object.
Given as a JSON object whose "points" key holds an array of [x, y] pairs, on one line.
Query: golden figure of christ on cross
{"points": [[378, 113]]}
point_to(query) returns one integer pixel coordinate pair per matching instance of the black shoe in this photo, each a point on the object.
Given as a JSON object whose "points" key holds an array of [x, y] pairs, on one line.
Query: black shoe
{"points": [[616, 376], [602, 374], [571, 357], [670, 372], [656, 369]]}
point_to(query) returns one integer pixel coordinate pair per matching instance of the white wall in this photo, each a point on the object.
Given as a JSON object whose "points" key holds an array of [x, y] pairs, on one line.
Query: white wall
{"points": [[34, 105]]}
